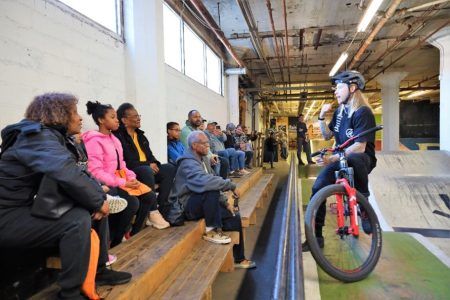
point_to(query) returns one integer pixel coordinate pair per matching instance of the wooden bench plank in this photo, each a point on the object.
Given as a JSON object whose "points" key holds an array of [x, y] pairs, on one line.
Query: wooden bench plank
{"points": [[193, 278], [152, 262], [253, 198]]}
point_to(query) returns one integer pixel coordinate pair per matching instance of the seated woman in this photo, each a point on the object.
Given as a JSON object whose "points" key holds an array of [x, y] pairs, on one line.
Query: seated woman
{"points": [[140, 159], [105, 157], [37, 147]]}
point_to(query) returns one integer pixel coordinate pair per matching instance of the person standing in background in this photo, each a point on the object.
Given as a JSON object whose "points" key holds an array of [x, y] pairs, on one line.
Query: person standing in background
{"points": [[303, 141]]}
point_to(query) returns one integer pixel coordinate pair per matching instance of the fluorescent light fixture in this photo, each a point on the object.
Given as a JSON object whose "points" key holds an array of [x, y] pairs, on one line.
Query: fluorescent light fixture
{"points": [[417, 94], [368, 15], [339, 63]]}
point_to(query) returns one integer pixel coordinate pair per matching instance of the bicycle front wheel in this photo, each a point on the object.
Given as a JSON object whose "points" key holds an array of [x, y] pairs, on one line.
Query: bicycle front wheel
{"points": [[345, 257]]}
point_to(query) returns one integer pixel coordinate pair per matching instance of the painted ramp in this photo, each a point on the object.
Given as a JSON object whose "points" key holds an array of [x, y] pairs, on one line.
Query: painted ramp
{"points": [[412, 192]]}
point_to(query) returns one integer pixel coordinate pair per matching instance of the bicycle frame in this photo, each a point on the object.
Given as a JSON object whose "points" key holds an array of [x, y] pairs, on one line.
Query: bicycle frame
{"points": [[353, 211], [347, 182]]}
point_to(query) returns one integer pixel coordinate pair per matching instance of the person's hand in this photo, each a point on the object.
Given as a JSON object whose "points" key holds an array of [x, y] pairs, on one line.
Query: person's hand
{"points": [[236, 193], [214, 160], [231, 209], [154, 167], [327, 159], [325, 108], [105, 188], [103, 212], [132, 184]]}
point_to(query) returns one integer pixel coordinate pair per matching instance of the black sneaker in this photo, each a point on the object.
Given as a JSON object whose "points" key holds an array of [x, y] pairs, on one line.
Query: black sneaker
{"points": [[320, 240], [106, 276], [311, 163], [365, 223]]}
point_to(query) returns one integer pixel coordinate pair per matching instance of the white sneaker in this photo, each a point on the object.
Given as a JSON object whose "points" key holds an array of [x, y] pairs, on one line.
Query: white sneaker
{"points": [[116, 204], [217, 236], [244, 171], [156, 220]]}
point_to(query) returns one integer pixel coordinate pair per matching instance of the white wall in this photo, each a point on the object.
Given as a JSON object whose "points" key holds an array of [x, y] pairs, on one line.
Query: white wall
{"points": [[46, 47], [184, 94]]}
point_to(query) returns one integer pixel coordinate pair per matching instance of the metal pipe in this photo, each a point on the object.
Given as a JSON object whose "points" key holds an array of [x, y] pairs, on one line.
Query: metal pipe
{"points": [[288, 274], [426, 5], [390, 12], [277, 50], [287, 40], [416, 26], [419, 44], [316, 42], [246, 12], [201, 9]]}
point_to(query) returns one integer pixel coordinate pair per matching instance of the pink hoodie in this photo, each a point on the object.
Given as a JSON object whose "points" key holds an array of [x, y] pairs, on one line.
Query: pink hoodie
{"points": [[102, 152]]}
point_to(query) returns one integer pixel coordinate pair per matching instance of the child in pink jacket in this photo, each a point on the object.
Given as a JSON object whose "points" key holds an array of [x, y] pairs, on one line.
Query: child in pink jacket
{"points": [[105, 156]]}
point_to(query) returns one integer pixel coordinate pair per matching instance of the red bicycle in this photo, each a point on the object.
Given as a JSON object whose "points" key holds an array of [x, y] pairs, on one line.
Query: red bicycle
{"points": [[354, 246]]}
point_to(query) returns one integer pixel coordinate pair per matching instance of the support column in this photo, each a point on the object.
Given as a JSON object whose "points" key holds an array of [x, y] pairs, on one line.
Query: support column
{"points": [[390, 88], [233, 98], [145, 69], [441, 40]]}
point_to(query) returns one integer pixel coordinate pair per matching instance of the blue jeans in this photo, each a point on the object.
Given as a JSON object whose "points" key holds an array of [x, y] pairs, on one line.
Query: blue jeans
{"points": [[235, 157], [206, 205]]}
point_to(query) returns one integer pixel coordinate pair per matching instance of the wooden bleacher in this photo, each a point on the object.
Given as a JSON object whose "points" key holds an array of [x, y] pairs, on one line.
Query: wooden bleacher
{"points": [[176, 263]]}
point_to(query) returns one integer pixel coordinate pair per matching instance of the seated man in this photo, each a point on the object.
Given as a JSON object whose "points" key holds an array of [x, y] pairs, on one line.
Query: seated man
{"points": [[236, 158], [243, 142], [174, 146], [138, 155], [200, 193], [193, 123]]}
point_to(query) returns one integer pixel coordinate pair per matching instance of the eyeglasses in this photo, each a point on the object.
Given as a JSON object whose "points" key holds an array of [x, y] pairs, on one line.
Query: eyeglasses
{"points": [[202, 143], [175, 129]]}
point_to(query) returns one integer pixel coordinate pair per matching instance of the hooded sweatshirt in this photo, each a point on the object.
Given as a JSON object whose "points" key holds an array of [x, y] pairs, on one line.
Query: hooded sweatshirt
{"points": [[105, 153], [195, 176]]}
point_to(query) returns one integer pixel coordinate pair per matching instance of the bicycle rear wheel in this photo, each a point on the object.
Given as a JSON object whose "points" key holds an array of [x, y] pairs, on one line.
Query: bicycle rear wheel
{"points": [[346, 258]]}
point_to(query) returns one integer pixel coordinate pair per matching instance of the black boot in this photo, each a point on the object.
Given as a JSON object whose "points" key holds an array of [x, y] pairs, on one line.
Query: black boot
{"points": [[106, 276], [320, 240]]}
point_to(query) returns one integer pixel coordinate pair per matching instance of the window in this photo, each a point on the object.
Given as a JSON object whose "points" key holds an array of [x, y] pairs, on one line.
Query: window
{"points": [[172, 38], [105, 12], [186, 52], [194, 56], [213, 71]]}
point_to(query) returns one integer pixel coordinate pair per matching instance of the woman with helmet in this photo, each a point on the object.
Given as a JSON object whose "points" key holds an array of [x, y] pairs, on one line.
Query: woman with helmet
{"points": [[353, 115]]}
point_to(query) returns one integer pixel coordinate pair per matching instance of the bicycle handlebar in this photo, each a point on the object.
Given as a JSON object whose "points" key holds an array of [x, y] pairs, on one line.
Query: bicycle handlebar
{"points": [[344, 145]]}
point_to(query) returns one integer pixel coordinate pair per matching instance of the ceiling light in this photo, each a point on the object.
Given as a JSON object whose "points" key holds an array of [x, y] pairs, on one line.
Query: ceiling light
{"points": [[339, 63], [417, 94], [368, 15]]}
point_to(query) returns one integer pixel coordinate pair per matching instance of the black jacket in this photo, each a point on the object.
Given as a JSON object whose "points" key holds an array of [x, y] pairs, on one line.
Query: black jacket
{"points": [[130, 152], [41, 150]]}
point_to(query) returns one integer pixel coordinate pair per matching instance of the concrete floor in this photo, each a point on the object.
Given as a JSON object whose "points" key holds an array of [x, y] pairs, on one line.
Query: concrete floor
{"points": [[261, 246], [407, 188]]}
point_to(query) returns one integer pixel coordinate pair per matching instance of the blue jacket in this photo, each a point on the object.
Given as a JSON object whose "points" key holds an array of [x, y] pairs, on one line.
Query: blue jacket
{"points": [[174, 150]]}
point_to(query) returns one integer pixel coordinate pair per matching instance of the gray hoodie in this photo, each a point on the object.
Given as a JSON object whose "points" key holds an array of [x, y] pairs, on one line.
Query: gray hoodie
{"points": [[192, 178]]}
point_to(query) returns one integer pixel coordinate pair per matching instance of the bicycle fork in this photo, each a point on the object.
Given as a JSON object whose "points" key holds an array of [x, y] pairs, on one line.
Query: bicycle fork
{"points": [[352, 210]]}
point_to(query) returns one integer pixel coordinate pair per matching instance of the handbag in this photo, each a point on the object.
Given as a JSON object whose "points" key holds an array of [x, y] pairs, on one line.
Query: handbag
{"points": [[137, 191], [50, 200]]}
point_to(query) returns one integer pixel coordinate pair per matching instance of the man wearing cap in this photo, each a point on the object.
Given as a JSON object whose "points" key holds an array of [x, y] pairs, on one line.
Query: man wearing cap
{"points": [[234, 158]]}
